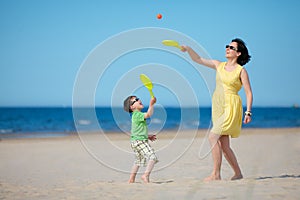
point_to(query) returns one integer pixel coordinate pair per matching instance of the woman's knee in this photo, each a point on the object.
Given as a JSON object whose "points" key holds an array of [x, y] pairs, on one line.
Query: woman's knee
{"points": [[213, 138], [225, 144]]}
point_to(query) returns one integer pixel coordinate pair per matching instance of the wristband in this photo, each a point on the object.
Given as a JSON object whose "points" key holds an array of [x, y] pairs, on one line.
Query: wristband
{"points": [[248, 113]]}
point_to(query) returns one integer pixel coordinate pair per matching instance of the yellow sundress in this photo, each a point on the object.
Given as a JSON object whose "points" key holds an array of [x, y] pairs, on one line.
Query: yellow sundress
{"points": [[227, 108]]}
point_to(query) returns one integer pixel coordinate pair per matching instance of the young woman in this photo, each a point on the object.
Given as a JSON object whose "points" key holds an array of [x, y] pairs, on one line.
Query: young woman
{"points": [[227, 108]]}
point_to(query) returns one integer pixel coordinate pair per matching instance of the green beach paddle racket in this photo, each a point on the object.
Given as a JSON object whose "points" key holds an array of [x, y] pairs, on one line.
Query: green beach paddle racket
{"points": [[147, 83], [171, 43]]}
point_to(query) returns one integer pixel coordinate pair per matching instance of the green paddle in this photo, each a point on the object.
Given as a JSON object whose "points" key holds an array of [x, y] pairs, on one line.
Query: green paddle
{"points": [[147, 83], [171, 43]]}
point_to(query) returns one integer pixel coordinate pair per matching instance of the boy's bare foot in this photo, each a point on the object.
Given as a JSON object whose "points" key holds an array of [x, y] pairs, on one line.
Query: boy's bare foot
{"points": [[212, 178], [145, 178], [130, 181], [132, 177], [237, 177]]}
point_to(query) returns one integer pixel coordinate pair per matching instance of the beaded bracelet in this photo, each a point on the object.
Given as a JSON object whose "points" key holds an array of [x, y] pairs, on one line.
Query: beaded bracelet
{"points": [[248, 113]]}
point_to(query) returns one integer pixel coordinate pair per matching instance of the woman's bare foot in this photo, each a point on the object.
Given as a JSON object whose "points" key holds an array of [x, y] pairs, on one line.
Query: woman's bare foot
{"points": [[145, 178], [237, 177], [212, 178]]}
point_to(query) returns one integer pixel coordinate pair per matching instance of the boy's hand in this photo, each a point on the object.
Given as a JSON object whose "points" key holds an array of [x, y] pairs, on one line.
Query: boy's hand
{"points": [[152, 137], [149, 113], [153, 101]]}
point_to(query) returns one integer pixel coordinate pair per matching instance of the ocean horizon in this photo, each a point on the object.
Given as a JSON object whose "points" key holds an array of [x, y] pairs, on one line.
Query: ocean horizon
{"points": [[55, 121]]}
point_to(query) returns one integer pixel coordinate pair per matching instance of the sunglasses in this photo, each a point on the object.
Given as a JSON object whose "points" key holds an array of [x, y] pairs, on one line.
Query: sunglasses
{"points": [[231, 47], [135, 100]]}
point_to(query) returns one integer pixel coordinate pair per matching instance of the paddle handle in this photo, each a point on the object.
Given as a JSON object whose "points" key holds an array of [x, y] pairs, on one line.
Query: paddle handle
{"points": [[179, 47], [151, 94]]}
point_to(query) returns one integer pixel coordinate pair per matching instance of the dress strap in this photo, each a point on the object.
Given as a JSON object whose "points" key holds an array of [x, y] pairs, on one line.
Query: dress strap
{"points": [[221, 65]]}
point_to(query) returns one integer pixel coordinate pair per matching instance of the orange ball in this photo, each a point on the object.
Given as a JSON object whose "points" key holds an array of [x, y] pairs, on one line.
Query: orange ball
{"points": [[159, 16]]}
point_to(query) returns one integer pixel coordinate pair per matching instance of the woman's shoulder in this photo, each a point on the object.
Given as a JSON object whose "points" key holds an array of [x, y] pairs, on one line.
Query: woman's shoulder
{"points": [[240, 67], [220, 64]]}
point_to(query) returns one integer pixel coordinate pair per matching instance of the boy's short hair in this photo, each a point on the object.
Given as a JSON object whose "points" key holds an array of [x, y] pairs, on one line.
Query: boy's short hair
{"points": [[127, 104]]}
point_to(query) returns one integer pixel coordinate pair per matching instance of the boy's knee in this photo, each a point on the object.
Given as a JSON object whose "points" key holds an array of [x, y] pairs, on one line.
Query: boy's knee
{"points": [[153, 158]]}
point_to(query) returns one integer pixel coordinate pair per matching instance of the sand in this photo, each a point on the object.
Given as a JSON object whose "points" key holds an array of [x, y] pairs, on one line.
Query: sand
{"points": [[96, 166]]}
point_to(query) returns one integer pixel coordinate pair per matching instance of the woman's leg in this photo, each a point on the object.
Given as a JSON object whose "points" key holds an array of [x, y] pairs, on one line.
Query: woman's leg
{"points": [[217, 157], [230, 157]]}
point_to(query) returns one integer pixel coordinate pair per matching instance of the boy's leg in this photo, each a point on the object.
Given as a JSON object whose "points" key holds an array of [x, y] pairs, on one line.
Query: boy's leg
{"points": [[139, 160], [149, 168], [144, 151], [150, 154], [133, 173]]}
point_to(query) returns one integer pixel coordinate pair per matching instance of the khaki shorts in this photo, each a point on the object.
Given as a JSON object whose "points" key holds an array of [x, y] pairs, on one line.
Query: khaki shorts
{"points": [[143, 151]]}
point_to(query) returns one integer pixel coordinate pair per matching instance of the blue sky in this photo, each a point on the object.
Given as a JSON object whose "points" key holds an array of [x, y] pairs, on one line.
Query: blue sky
{"points": [[45, 43]]}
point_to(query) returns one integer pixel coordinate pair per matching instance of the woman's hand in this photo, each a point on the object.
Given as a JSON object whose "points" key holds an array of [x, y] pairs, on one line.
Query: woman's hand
{"points": [[247, 119], [184, 48]]}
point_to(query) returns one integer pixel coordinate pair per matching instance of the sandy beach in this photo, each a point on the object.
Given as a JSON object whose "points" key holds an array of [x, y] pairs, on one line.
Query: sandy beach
{"points": [[97, 165]]}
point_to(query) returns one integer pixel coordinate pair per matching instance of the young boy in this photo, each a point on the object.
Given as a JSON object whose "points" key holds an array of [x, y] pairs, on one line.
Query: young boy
{"points": [[139, 137]]}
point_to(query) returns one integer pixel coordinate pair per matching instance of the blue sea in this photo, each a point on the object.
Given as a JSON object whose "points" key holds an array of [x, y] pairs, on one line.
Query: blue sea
{"points": [[52, 122]]}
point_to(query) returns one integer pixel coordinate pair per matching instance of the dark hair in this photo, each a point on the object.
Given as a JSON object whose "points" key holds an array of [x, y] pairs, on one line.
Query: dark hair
{"points": [[244, 57], [127, 104]]}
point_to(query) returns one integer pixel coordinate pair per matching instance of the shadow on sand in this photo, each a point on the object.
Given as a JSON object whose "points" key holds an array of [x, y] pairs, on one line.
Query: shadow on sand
{"points": [[162, 182], [281, 176]]}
